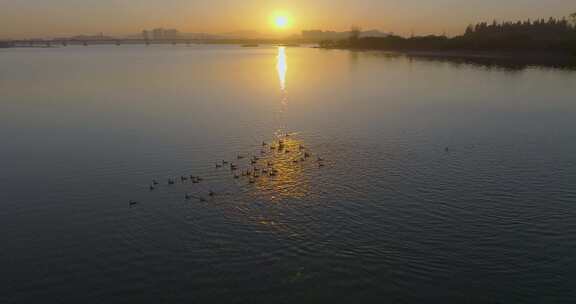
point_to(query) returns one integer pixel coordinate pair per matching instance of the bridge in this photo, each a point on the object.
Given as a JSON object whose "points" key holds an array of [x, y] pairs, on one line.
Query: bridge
{"points": [[87, 42]]}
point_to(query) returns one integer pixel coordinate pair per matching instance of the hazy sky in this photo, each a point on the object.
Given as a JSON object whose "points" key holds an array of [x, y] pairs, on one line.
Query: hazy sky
{"points": [[32, 18]]}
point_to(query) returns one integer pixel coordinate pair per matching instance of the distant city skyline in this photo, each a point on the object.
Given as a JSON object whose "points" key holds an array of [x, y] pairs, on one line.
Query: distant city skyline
{"points": [[57, 18]]}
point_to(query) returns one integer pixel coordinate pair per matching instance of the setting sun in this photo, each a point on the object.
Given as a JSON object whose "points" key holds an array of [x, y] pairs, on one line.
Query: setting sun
{"points": [[281, 20]]}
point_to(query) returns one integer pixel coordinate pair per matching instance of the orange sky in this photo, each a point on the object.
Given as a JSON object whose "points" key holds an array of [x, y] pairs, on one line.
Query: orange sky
{"points": [[34, 18]]}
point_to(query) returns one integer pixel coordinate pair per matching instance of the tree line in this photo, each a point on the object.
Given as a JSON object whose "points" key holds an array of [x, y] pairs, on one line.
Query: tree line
{"points": [[536, 28], [558, 35]]}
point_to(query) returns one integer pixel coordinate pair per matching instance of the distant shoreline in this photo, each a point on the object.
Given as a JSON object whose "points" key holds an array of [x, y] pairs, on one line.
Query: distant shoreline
{"points": [[521, 42], [119, 42], [550, 56], [546, 58]]}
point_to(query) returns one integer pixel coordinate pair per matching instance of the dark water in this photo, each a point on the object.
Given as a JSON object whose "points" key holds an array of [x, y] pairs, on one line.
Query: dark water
{"points": [[441, 182]]}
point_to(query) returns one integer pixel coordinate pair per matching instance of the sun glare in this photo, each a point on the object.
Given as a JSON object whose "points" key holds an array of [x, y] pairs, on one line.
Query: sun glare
{"points": [[281, 21]]}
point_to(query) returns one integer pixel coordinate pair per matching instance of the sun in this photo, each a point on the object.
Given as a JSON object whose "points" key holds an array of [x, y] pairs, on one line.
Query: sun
{"points": [[281, 20]]}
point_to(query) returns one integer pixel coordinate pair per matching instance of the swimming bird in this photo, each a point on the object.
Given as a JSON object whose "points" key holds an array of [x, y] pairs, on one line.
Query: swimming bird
{"points": [[183, 178], [170, 181], [252, 180], [151, 188], [211, 193], [218, 165], [320, 165], [224, 162], [236, 176], [154, 182], [132, 203], [240, 156], [187, 196]]}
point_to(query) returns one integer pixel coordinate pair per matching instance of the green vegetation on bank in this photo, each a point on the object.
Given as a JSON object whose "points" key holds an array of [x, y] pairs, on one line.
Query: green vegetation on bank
{"points": [[550, 35]]}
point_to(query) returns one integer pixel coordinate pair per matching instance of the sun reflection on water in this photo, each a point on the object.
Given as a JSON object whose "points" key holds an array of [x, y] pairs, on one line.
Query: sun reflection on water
{"points": [[282, 67], [287, 153], [289, 164]]}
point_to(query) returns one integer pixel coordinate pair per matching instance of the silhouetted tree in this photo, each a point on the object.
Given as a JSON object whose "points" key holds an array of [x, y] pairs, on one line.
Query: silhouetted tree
{"points": [[355, 32], [550, 34], [573, 19]]}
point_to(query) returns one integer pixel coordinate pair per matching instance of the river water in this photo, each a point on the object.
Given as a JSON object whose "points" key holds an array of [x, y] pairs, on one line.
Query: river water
{"points": [[439, 181]]}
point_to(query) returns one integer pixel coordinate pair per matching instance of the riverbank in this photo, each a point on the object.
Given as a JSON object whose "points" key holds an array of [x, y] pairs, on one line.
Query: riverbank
{"points": [[552, 58], [512, 59]]}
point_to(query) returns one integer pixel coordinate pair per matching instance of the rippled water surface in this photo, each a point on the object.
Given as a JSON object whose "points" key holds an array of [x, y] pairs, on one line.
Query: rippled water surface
{"points": [[439, 181]]}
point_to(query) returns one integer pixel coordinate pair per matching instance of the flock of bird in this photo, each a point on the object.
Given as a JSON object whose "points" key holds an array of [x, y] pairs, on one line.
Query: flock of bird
{"points": [[251, 168]]}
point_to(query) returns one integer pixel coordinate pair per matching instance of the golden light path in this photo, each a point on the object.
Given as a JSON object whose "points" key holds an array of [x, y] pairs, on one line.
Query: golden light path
{"points": [[282, 67], [290, 181], [286, 155], [282, 70]]}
